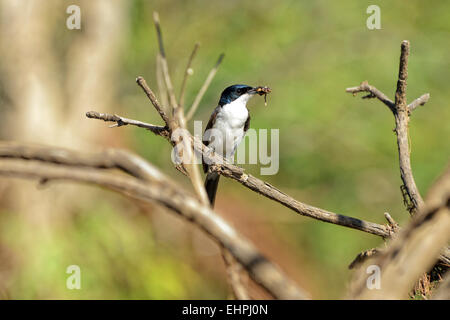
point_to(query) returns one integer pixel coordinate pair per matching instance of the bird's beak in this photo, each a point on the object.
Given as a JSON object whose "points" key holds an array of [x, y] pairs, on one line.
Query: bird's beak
{"points": [[253, 91], [260, 90]]}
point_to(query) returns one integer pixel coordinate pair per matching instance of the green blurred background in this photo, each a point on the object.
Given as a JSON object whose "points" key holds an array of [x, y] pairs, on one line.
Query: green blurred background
{"points": [[337, 152]]}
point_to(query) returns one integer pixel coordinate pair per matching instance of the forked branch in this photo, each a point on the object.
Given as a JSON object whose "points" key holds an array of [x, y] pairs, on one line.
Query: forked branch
{"points": [[401, 112]]}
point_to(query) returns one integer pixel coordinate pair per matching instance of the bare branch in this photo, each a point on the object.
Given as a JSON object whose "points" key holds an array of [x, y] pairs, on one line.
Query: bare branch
{"points": [[400, 93], [121, 121], [174, 198], [108, 159], [401, 120], [203, 89], [164, 65], [394, 226], [401, 113], [373, 93], [151, 96], [160, 83]]}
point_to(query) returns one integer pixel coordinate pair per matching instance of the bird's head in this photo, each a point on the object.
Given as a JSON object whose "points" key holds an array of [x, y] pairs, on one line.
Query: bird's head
{"points": [[242, 92]]}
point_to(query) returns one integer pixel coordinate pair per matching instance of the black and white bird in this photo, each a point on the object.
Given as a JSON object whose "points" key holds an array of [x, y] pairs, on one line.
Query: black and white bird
{"points": [[226, 128]]}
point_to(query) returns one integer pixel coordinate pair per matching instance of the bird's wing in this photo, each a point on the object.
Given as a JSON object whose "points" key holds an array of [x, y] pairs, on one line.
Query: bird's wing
{"points": [[206, 139], [247, 124]]}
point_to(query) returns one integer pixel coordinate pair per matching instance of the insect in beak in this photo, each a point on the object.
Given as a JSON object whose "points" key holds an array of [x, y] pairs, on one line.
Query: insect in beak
{"points": [[263, 91]]}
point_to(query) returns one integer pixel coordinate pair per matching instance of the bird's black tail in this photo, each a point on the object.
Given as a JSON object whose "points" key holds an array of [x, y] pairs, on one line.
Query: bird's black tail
{"points": [[211, 183]]}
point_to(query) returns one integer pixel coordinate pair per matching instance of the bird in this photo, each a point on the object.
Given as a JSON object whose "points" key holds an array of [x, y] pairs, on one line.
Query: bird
{"points": [[226, 128]]}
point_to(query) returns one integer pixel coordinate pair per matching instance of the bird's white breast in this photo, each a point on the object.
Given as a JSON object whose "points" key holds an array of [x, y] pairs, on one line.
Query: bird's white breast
{"points": [[230, 122], [234, 114]]}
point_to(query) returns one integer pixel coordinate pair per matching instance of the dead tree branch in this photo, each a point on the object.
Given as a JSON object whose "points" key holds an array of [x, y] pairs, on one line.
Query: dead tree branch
{"points": [[418, 102], [373, 93], [401, 112], [60, 164]]}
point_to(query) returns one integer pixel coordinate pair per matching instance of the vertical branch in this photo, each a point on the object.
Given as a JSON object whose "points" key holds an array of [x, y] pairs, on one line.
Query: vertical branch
{"points": [[160, 83], [401, 121], [151, 96], [400, 94], [401, 112], [164, 65]]}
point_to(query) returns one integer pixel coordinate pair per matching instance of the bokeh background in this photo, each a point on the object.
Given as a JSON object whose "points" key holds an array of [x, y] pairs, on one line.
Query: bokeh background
{"points": [[336, 152]]}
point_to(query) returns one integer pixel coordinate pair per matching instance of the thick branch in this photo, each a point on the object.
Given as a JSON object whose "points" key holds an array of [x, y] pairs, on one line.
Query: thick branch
{"points": [[401, 120], [269, 191], [108, 159], [259, 268]]}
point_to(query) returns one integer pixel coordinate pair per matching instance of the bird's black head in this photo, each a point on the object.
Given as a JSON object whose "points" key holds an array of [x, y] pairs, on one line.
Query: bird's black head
{"points": [[235, 91]]}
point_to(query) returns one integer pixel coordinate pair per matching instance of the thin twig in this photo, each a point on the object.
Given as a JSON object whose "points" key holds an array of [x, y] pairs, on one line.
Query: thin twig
{"points": [[149, 93], [160, 83], [418, 102], [374, 92], [203, 89], [165, 67], [122, 121], [187, 73], [393, 225]]}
